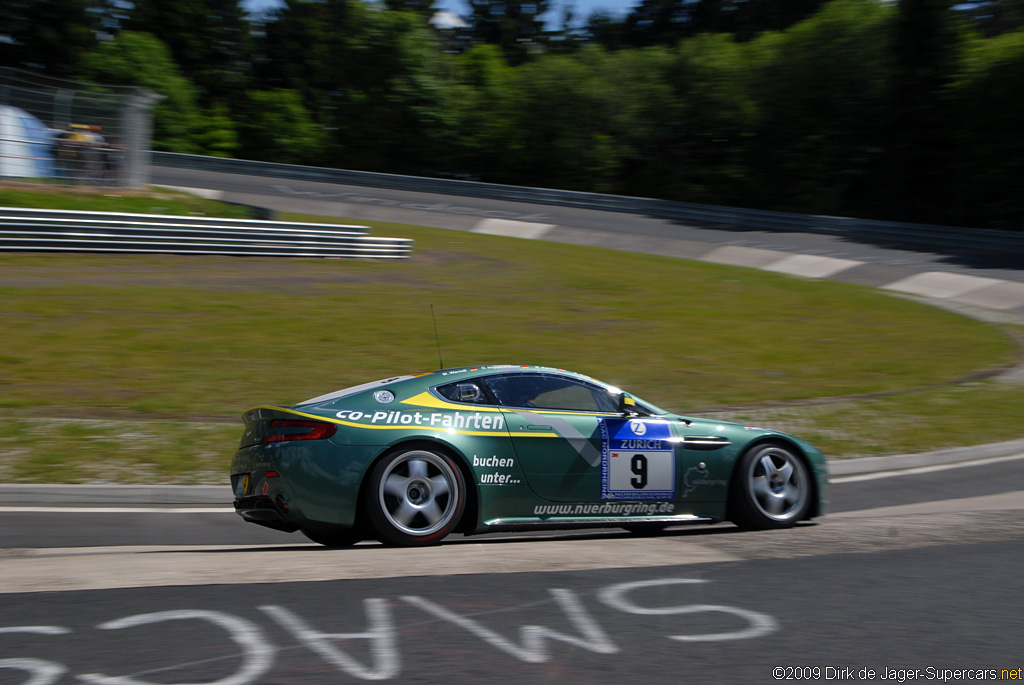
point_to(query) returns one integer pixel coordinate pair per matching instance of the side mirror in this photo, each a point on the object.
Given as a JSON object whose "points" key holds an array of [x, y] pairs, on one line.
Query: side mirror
{"points": [[626, 404]]}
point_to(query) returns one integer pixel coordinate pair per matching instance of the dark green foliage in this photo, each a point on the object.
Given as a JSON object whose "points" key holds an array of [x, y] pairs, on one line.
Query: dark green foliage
{"points": [[48, 36], [925, 56], [516, 26], [424, 8], [907, 110], [987, 100], [208, 39], [822, 90], [277, 128], [666, 22]]}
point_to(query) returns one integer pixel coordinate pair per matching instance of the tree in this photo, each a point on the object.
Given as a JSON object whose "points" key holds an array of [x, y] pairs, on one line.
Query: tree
{"points": [[926, 42], [607, 31], [703, 141], [209, 40], [822, 89], [393, 114], [987, 146], [139, 59], [46, 35], [660, 22], [277, 128], [478, 90], [746, 19], [666, 22], [179, 125], [423, 8], [513, 25], [304, 47]]}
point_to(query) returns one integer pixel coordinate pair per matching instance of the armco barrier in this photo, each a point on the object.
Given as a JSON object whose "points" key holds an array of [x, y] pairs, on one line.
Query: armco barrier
{"points": [[878, 231], [66, 231]]}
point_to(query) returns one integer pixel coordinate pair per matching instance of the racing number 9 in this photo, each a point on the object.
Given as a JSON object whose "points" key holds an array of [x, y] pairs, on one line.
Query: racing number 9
{"points": [[638, 465]]}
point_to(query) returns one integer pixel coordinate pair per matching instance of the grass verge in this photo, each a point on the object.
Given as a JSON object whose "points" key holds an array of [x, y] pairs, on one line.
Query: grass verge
{"points": [[89, 199]]}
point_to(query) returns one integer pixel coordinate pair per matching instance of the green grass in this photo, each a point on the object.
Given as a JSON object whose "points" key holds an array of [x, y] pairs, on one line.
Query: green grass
{"points": [[69, 450], [153, 201], [135, 368], [951, 416], [174, 336]]}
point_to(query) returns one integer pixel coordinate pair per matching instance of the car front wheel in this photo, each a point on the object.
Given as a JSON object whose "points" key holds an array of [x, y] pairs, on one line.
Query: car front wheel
{"points": [[415, 497], [771, 488]]}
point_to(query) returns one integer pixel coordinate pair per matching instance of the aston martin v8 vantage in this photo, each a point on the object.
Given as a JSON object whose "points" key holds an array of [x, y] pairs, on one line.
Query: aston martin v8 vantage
{"points": [[410, 459]]}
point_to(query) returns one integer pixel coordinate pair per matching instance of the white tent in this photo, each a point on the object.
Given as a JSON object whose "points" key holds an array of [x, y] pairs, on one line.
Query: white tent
{"points": [[25, 145]]}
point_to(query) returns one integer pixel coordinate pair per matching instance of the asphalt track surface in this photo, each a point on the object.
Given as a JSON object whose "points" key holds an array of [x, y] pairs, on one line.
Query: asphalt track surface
{"points": [[917, 573], [913, 576]]}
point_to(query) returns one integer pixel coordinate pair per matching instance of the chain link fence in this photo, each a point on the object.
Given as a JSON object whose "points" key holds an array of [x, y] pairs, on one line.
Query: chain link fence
{"points": [[70, 132]]}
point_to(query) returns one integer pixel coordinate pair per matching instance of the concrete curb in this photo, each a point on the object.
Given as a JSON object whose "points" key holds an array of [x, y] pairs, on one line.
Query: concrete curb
{"points": [[31, 494], [901, 462]]}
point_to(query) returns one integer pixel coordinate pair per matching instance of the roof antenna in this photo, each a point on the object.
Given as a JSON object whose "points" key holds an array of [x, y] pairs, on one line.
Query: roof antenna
{"points": [[437, 337]]}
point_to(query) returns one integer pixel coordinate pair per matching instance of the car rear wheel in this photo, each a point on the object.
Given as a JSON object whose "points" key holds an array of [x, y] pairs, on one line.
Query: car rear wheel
{"points": [[415, 497], [771, 488], [332, 536]]}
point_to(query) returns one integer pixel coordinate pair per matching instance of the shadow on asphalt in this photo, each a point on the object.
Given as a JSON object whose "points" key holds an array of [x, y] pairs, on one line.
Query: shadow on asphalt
{"points": [[690, 531]]}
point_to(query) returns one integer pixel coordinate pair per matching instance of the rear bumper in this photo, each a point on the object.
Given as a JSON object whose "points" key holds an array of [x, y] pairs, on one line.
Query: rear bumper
{"points": [[263, 511]]}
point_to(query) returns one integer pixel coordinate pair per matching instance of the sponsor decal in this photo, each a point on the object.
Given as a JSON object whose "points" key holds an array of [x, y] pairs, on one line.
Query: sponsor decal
{"points": [[638, 460], [606, 509], [454, 420], [697, 476], [496, 477], [493, 367]]}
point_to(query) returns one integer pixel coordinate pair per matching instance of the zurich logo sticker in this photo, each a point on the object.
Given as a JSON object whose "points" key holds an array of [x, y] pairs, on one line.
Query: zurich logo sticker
{"points": [[638, 427]]}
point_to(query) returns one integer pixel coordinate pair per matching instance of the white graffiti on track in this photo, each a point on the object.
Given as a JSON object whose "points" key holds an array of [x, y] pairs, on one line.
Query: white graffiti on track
{"points": [[535, 643], [533, 649]]}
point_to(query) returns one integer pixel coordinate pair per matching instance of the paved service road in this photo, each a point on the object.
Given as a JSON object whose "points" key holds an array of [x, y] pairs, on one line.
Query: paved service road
{"points": [[922, 588], [443, 211]]}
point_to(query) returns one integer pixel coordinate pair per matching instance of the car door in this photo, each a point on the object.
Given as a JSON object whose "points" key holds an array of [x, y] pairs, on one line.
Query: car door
{"points": [[573, 445]]}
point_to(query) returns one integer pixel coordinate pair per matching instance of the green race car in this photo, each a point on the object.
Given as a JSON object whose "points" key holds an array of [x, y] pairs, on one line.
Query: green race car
{"points": [[408, 460]]}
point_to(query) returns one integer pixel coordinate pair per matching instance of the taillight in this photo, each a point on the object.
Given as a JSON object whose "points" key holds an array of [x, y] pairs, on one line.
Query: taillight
{"points": [[283, 430]]}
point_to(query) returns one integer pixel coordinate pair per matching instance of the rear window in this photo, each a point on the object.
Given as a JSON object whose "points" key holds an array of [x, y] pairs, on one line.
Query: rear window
{"points": [[338, 394]]}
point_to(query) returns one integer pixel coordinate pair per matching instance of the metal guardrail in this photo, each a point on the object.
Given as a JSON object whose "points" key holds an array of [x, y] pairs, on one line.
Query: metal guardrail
{"points": [[38, 230], [974, 239]]}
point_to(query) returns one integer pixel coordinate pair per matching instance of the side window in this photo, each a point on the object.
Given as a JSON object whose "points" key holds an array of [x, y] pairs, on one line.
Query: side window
{"points": [[549, 392], [465, 391]]}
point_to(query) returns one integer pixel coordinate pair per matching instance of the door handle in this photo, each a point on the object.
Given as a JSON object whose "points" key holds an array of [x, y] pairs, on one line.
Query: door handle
{"points": [[533, 427]]}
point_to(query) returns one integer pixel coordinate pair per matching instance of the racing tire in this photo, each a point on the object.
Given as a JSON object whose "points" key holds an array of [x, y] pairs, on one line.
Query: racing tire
{"points": [[415, 497], [771, 488], [332, 536]]}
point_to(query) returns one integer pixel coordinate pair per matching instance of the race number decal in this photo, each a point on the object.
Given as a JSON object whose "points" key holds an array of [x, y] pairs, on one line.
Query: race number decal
{"points": [[637, 460]]}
